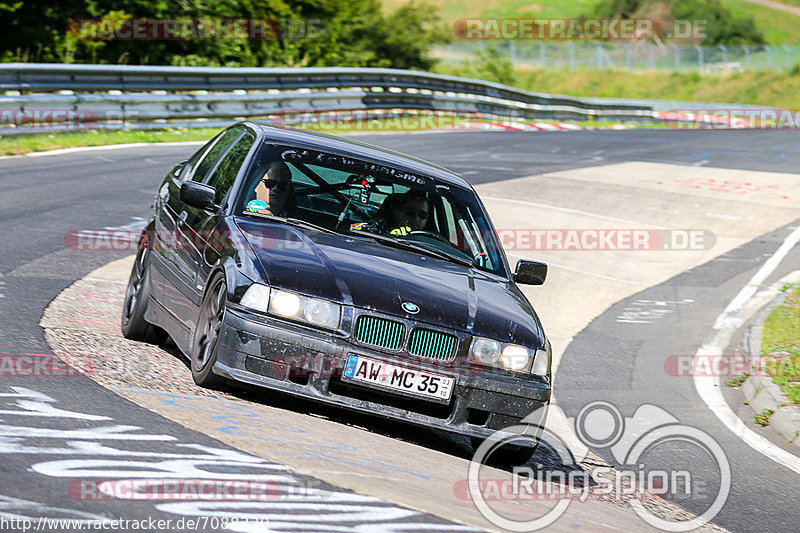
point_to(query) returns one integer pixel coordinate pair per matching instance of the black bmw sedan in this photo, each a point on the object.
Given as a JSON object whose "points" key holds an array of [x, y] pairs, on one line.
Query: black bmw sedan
{"points": [[345, 273]]}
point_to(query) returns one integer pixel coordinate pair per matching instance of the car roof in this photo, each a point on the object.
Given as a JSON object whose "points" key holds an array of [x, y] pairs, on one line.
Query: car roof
{"points": [[325, 142]]}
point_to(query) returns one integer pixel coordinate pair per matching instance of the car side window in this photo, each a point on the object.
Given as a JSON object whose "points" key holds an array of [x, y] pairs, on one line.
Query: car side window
{"points": [[225, 174], [212, 156]]}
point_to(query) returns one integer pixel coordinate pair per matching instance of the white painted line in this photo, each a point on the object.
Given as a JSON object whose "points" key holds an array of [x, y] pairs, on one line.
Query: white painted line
{"points": [[550, 263], [744, 305], [568, 210], [76, 149], [723, 217]]}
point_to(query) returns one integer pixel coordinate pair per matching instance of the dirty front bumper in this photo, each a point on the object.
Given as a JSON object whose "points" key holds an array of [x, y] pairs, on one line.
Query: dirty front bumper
{"points": [[277, 355]]}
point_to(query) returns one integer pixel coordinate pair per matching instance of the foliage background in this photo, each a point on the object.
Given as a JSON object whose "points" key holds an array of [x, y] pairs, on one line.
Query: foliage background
{"points": [[354, 33]]}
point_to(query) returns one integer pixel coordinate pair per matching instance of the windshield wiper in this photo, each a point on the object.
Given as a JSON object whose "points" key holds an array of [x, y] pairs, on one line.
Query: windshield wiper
{"points": [[415, 247], [294, 222], [309, 225]]}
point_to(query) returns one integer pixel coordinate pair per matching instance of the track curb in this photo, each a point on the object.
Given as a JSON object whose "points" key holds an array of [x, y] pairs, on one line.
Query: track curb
{"points": [[759, 391]]}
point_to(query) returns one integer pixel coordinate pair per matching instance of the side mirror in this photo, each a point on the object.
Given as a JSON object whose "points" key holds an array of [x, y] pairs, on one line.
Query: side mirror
{"points": [[199, 195], [530, 272]]}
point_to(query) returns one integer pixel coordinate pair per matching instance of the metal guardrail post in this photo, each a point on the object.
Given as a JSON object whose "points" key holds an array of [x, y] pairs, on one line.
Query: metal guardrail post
{"points": [[571, 47], [628, 58], [700, 62], [746, 56], [788, 59], [543, 54], [677, 54]]}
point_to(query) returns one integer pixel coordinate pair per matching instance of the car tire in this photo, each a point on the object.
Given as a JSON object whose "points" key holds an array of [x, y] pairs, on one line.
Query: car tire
{"points": [[137, 298], [206, 336], [507, 455]]}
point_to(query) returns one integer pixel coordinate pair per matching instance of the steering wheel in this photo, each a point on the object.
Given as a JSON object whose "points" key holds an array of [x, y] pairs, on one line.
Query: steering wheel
{"points": [[433, 234]]}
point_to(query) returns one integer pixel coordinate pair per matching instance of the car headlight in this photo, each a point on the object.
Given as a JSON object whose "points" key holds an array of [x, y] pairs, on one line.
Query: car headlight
{"points": [[515, 357], [511, 356], [313, 311], [288, 304], [486, 351]]}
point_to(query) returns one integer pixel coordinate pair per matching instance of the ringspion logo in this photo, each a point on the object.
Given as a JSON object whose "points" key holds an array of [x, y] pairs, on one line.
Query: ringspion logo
{"points": [[630, 440]]}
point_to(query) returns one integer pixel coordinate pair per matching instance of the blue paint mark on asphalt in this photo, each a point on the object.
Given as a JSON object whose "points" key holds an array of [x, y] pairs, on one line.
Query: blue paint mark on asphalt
{"points": [[235, 430], [240, 414]]}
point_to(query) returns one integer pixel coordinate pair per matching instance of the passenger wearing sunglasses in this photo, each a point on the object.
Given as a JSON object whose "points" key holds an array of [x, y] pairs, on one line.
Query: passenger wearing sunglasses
{"points": [[410, 214], [276, 191]]}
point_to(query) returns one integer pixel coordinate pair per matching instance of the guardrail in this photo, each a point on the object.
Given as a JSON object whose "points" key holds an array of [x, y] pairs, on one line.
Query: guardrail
{"points": [[113, 96]]}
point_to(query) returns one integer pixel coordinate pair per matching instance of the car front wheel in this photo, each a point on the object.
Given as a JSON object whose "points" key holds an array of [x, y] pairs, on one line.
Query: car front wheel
{"points": [[206, 336]]}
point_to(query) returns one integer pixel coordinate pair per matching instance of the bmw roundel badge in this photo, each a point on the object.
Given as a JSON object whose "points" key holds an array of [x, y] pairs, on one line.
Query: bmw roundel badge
{"points": [[411, 308]]}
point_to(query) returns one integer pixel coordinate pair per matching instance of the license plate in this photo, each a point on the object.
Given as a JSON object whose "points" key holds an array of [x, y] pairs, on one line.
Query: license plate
{"points": [[394, 377]]}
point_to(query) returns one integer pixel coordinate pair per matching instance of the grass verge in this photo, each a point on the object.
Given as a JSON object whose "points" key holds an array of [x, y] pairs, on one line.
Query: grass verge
{"points": [[780, 344], [763, 418], [757, 88], [39, 142]]}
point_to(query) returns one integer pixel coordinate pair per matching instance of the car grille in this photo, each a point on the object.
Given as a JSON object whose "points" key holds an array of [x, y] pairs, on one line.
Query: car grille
{"points": [[432, 344], [380, 332]]}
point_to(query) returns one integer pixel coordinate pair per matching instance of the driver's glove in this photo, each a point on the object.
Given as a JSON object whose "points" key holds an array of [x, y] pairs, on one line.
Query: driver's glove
{"points": [[404, 230]]}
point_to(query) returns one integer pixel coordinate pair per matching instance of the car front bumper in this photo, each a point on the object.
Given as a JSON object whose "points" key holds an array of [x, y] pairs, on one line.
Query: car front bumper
{"points": [[273, 354]]}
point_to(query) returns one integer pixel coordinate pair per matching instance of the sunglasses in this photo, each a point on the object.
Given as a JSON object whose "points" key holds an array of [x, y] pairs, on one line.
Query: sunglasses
{"points": [[422, 215], [282, 186]]}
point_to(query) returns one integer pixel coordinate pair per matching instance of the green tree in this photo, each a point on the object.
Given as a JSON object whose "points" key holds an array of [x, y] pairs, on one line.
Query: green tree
{"points": [[312, 33], [722, 26]]}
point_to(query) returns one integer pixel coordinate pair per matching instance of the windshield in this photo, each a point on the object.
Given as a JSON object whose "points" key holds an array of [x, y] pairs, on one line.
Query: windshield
{"points": [[362, 198]]}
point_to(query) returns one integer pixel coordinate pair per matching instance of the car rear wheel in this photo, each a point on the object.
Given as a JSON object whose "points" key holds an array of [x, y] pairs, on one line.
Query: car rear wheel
{"points": [[137, 297], [506, 455], [206, 336]]}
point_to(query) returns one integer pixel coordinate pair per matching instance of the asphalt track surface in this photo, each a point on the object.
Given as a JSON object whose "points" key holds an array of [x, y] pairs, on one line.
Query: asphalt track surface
{"points": [[43, 198]]}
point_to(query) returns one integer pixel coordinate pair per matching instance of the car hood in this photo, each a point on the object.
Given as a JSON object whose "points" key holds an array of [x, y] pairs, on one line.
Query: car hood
{"points": [[369, 275]]}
